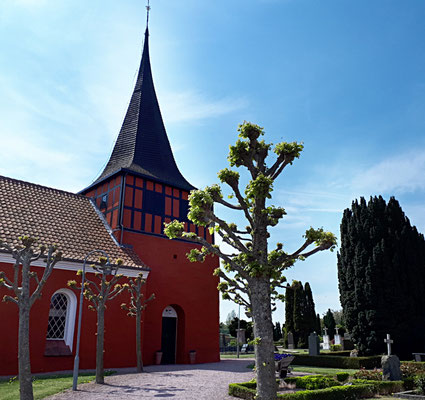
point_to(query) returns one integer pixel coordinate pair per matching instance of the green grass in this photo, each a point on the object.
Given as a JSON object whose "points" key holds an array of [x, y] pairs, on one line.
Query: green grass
{"points": [[321, 371], [43, 386], [233, 355]]}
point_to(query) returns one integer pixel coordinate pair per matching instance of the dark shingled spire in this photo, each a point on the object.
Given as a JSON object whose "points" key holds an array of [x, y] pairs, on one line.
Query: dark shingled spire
{"points": [[142, 146]]}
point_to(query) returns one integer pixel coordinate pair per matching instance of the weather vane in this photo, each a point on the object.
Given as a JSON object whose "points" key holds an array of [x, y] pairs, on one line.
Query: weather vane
{"points": [[148, 8]]}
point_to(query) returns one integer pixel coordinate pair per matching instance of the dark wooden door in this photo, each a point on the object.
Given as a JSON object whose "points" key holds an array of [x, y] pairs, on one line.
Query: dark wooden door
{"points": [[168, 341]]}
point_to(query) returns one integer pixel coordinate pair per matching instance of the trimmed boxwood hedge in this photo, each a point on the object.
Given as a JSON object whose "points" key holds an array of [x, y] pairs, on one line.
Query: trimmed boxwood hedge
{"points": [[337, 362], [358, 390], [417, 365], [340, 353]]}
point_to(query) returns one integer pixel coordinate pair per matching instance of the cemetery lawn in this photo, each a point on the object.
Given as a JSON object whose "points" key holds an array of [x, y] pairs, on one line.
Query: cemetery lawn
{"points": [[233, 355], [43, 385], [320, 370]]}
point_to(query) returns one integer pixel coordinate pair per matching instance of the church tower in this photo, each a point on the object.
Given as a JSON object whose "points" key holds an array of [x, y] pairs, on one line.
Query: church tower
{"points": [[140, 188]]}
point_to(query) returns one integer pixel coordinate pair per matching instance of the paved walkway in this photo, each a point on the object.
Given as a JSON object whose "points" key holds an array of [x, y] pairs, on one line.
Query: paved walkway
{"points": [[179, 382]]}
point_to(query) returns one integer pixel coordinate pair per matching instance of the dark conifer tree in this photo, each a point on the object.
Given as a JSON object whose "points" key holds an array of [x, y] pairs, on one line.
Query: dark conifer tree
{"points": [[381, 273], [310, 309], [329, 323], [318, 326], [289, 313], [277, 332], [299, 315]]}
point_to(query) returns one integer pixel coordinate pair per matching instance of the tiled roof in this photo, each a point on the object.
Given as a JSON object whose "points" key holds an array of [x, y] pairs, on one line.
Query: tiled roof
{"points": [[142, 145], [54, 216]]}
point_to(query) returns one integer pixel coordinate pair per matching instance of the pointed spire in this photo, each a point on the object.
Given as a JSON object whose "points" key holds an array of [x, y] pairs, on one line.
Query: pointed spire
{"points": [[148, 8], [142, 146]]}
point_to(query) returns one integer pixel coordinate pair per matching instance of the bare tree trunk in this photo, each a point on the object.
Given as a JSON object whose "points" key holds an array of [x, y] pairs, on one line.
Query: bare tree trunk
{"points": [[264, 348], [100, 374], [25, 377], [138, 341]]}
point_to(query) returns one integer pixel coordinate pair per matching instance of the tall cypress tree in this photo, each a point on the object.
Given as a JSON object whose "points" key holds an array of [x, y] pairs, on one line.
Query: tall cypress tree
{"points": [[318, 326], [381, 273], [289, 313], [299, 315], [329, 323], [310, 309]]}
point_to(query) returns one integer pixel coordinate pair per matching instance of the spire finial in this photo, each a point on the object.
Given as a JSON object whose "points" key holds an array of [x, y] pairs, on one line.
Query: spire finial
{"points": [[148, 8]]}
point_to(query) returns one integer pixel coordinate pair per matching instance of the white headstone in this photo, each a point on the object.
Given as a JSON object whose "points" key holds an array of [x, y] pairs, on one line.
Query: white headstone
{"points": [[337, 339], [326, 344]]}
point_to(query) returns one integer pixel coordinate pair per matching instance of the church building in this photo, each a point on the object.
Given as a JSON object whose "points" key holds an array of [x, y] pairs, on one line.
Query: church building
{"points": [[122, 213]]}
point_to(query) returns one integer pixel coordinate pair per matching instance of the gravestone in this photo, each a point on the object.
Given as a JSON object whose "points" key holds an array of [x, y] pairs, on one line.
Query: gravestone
{"points": [[326, 344], [337, 339], [240, 336], [291, 345], [389, 342], [390, 363], [390, 368], [313, 344], [347, 343]]}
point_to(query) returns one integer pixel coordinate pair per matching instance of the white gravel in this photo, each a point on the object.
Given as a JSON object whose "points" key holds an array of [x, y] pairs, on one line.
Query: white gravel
{"points": [[179, 382]]}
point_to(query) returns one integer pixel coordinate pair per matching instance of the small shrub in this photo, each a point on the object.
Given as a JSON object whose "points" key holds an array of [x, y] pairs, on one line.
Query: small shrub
{"points": [[360, 389], [370, 375], [336, 347], [420, 383], [315, 382], [342, 376], [409, 383], [410, 368], [337, 362]]}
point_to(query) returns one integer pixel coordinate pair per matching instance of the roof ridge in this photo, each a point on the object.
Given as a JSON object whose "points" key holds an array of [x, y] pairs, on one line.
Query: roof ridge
{"points": [[43, 187]]}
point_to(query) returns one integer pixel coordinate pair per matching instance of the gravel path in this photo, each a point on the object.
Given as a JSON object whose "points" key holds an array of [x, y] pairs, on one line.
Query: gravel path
{"points": [[180, 382]]}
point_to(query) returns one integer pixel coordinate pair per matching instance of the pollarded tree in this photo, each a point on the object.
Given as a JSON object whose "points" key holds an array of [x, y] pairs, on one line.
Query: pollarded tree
{"points": [[99, 294], [135, 308], [24, 297], [257, 271]]}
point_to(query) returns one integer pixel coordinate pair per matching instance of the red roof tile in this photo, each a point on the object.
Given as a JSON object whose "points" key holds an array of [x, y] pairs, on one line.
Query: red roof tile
{"points": [[68, 220]]}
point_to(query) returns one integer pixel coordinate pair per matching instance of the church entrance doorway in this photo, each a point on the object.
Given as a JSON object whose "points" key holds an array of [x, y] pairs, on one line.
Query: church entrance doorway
{"points": [[169, 335]]}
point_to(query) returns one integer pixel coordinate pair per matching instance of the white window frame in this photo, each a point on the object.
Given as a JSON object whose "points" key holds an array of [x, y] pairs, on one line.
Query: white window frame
{"points": [[71, 311]]}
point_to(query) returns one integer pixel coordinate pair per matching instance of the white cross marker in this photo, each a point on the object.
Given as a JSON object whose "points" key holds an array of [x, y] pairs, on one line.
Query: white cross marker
{"points": [[388, 341], [326, 331], [336, 330]]}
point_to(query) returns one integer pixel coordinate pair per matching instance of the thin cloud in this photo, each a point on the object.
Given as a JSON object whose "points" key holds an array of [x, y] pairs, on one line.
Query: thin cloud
{"points": [[195, 106], [403, 173]]}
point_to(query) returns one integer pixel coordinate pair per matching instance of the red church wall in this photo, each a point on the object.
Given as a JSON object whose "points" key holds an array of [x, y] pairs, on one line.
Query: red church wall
{"points": [[120, 347], [189, 287]]}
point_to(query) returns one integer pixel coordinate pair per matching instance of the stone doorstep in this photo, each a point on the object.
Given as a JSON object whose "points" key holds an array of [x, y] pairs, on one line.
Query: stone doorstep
{"points": [[409, 395]]}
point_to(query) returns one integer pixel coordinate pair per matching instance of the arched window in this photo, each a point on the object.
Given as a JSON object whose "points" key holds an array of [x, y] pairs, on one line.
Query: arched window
{"points": [[63, 305]]}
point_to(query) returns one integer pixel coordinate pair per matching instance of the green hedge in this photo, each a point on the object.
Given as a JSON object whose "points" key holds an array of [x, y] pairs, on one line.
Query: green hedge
{"points": [[356, 391], [338, 362], [416, 365], [334, 393], [342, 353], [241, 391], [353, 392]]}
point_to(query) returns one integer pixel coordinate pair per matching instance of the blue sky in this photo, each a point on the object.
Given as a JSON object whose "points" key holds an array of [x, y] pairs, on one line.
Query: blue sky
{"points": [[346, 78]]}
